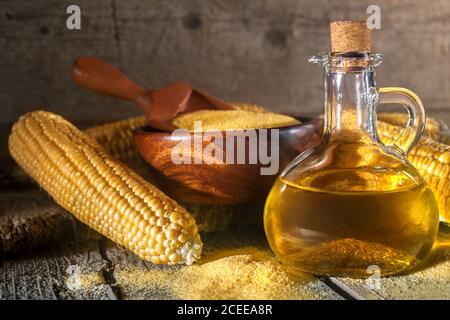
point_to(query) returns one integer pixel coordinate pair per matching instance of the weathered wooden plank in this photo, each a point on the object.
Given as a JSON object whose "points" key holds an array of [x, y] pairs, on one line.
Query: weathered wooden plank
{"points": [[431, 280], [239, 51], [235, 265], [341, 288], [30, 219], [252, 51], [69, 272]]}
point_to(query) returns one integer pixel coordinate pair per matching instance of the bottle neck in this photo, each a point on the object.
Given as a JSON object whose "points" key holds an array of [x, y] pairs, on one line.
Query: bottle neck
{"points": [[350, 99]]}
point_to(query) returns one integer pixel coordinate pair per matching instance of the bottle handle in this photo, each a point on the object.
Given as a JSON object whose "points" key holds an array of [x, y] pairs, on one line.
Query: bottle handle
{"points": [[416, 123]]}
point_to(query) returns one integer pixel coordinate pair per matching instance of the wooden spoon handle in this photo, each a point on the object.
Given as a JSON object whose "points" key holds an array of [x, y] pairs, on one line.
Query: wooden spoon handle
{"points": [[98, 76]]}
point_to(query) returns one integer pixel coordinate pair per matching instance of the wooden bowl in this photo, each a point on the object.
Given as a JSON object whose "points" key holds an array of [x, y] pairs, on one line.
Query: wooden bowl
{"points": [[219, 183]]}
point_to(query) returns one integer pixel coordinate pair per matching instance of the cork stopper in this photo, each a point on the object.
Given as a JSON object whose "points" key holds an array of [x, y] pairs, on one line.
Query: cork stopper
{"points": [[349, 36]]}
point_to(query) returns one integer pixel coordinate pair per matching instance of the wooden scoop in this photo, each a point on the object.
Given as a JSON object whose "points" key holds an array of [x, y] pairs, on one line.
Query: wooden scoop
{"points": [[161, 106]]}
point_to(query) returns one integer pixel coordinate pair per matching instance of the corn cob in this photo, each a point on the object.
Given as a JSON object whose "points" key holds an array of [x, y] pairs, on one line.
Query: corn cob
{"points": [[102, 192], [118, 141], [435, 129], [431, 159], [117, 138]]}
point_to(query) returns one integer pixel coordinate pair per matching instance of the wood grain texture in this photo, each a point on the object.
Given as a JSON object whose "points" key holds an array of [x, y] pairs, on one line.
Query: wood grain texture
{"points": [[104, 271], [431, 280], [30, 219], [70, 272], [101, 270], [253, 51], [238, 50]]}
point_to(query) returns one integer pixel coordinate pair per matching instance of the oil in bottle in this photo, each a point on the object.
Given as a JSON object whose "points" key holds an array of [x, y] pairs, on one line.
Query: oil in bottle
{"points": [[330, 223]]}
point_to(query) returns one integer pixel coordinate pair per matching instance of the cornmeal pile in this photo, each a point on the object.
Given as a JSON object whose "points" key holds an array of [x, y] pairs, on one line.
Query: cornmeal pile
{"points": [[232, 120]]}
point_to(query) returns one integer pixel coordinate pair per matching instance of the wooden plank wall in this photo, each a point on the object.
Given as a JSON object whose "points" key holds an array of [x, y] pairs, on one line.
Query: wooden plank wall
{"points": [[252, 51]]}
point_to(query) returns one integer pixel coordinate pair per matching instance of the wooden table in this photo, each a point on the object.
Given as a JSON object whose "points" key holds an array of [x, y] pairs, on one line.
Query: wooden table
{"points": [[60, 258], [76, 263]]}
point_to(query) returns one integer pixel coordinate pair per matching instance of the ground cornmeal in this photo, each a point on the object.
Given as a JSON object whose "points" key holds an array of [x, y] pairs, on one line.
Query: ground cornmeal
{"points": [[236, 264], [248, 273], [232, 120]]}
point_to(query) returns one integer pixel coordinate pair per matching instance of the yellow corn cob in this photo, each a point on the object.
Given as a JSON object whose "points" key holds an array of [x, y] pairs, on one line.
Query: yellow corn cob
{"points": [[118, 141], [435, 129], [117, 138], [431, 159], [102, 192]]}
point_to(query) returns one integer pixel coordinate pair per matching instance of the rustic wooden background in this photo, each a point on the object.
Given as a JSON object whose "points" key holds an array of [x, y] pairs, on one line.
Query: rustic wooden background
{"points": [[252, 51], [239, 50]]}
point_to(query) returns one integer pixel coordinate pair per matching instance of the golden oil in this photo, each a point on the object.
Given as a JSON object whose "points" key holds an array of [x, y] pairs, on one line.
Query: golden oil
{"points": [[351, 203], [341, 221]]}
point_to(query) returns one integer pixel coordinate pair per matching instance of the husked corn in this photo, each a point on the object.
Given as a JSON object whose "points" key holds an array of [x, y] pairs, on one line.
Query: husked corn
{"points": [[431, 159], [117, 137], [434, 129], [118, 141], [102, 192]]}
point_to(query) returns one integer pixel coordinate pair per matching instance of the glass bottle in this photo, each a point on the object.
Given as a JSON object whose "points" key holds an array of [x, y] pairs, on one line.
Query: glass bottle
{"points": [[352, 204]]}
